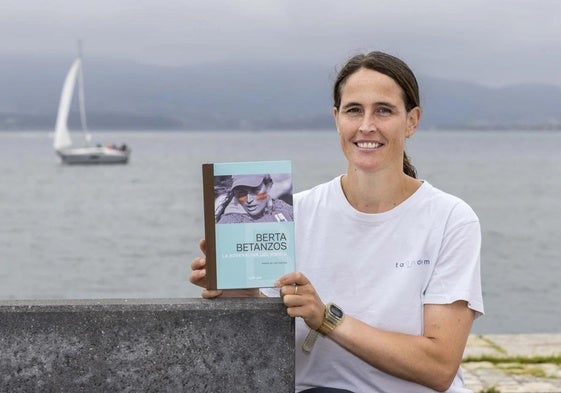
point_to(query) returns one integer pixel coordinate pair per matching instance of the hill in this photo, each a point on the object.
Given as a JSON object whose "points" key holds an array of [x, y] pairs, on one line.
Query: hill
{"points": [[126, 95]]}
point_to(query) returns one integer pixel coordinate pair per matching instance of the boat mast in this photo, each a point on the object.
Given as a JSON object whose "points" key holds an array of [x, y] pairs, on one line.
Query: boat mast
{"points": [[81, 96]]}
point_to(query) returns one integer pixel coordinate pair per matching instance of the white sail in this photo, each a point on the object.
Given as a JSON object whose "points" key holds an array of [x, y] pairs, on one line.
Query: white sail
{"points": [[62, 135], [86, 154], [82, 105]]}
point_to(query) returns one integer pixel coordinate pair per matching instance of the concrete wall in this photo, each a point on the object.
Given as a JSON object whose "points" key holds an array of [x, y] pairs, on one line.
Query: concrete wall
{"points": [[167, 345]]}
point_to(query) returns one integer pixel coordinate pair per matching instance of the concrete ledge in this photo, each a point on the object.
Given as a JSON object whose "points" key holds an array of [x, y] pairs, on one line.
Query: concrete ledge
{"points": [[156, 345]]}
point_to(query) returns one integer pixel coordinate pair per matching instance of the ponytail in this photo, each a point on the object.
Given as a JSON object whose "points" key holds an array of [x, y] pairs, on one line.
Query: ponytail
{"points": [[408, 168]]}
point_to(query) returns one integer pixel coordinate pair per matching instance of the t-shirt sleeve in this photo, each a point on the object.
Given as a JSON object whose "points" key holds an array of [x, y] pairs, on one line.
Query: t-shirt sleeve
{"points": [[457, 272]]}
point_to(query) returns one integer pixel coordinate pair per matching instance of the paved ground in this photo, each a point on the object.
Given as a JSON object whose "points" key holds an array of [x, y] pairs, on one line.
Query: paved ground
{"points": [[511, 376]]}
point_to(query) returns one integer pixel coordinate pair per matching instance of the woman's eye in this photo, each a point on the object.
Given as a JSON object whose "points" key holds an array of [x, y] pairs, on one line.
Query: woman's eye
{"points": [[384, 111], [353, 110]]}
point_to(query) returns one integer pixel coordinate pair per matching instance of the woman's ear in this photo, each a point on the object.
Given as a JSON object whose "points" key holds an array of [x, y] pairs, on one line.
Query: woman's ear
{"points": [[413, 117], [335, 113]]}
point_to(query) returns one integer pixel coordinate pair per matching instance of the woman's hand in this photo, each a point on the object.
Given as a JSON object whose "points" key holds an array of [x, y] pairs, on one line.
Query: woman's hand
{"points": [[301, 299], [198, 277], [198, 273]]}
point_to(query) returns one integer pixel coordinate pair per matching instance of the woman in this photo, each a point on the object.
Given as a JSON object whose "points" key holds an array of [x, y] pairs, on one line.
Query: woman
{"points": [[399, 257], [253, 194]]}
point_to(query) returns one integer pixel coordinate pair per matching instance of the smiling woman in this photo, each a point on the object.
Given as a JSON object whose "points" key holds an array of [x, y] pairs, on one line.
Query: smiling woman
{"points": [[398, 94], [398, 256], [373, 122]]}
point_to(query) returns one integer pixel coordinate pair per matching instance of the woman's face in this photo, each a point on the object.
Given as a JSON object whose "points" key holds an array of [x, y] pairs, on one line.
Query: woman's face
{"points": [[372, 122], [252, 199]]}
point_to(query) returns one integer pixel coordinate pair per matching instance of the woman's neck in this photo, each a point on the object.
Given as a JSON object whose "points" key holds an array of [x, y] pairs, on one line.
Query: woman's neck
{"points": [[377, 192]]}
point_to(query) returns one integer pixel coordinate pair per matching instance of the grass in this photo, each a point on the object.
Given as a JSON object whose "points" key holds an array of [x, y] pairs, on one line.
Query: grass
{"points": [[520, 369], [493, 345], [518, 365], [492, 389], [555, 359]]}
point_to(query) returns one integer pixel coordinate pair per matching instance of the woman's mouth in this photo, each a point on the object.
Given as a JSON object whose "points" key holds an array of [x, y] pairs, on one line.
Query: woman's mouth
{"points": [[368, 145]]}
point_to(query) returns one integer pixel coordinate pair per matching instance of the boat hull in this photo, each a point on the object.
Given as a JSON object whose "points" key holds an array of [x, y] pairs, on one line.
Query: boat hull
{"points": [[93, 156]]}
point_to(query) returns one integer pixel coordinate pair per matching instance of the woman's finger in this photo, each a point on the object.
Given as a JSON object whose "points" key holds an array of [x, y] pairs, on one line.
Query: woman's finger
{"points": [[294, 278], [211, 294], [202, 246], [197, 275], [198, 263]]}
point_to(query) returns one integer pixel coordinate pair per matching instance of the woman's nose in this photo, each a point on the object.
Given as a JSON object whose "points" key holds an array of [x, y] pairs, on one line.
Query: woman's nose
{"points": [[368, 124]]}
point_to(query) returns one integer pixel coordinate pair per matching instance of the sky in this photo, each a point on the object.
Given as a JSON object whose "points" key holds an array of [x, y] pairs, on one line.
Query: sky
{"points": [[491, 42]]}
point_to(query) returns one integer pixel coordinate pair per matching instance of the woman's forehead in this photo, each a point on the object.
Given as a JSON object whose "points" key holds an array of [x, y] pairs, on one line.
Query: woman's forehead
{"points": [[372, 84]]}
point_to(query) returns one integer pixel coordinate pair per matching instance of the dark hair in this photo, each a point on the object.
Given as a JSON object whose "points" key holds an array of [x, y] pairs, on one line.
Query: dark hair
{"points": [[395, 69]]}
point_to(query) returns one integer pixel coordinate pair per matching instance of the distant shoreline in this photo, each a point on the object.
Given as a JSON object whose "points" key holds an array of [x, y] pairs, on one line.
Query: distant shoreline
{"points": [[124, 121], [47, 129]]}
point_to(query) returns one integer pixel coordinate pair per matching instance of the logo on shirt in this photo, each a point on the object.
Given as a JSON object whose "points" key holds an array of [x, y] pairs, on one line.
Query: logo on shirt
{"points": [[412, 264]]}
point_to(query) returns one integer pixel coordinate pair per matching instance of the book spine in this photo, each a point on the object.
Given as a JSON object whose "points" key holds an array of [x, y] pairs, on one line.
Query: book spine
{"points": [[210, 225]]}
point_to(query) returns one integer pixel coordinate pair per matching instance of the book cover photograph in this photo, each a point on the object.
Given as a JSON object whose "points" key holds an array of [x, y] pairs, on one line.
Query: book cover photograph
{"points": [[249, 223]]}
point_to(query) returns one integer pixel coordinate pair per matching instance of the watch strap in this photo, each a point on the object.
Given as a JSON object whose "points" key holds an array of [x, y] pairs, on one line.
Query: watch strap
{"points": [[326, 327], [310, 340], [330, 322]]}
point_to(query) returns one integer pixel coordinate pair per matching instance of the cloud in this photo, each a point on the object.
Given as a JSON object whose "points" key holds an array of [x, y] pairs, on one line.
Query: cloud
{"points": [[491, 42]]}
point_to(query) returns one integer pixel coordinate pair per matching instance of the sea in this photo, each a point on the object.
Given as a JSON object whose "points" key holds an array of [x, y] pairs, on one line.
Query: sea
{"points": [[131, 231]]}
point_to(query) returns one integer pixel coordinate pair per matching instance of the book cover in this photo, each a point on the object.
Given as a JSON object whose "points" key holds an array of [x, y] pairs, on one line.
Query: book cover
{"points": [[249, 223]]}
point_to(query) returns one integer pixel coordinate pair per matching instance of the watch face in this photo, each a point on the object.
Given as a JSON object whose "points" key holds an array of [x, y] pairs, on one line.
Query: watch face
{"points": [[336, 311]]}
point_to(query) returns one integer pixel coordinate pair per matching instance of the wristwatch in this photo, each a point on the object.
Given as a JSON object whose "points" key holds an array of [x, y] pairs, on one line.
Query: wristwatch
{"points": [[331, 319]]}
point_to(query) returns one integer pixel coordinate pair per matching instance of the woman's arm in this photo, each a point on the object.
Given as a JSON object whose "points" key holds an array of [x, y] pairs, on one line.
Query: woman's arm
{"points": [[431, 360]]}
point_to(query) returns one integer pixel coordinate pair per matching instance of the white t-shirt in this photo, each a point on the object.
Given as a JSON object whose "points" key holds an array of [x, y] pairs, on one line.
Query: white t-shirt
{"points": [[382, 268]]}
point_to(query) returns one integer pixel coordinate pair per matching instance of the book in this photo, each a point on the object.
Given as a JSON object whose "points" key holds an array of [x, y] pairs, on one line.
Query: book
{"points": [[249, 223]]}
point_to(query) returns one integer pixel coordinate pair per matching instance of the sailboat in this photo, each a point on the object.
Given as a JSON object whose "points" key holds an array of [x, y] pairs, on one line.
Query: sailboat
{"points": [[63, 145]]}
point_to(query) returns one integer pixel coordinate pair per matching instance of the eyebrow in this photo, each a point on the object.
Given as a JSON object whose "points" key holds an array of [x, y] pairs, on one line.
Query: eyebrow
{"points": [[379, 103], [348, 105], [388, 104]]}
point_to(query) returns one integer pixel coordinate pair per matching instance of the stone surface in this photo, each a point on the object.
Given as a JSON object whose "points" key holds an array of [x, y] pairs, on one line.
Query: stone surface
{"points": [[197, 345], [167, 345], [507, 376]]}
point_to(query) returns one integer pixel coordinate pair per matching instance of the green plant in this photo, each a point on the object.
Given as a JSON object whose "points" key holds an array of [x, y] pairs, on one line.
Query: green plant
{"points": [[492, 389], [522, 369], [554, 359]]}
